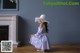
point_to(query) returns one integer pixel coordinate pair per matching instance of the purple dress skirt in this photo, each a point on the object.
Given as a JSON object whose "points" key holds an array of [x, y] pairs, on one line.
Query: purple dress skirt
{"points": [[40, 40]]}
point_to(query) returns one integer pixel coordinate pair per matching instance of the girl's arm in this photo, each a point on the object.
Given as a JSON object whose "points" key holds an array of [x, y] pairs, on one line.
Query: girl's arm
{"points": [[40, 29], [39, 32]]}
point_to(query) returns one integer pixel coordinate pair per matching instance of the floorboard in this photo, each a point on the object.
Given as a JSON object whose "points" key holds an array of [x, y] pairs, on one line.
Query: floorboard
{"points": [[54, 49]]}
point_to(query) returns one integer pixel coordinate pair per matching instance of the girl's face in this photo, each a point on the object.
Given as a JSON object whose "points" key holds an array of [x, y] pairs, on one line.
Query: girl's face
{"points": [[40, 21]]}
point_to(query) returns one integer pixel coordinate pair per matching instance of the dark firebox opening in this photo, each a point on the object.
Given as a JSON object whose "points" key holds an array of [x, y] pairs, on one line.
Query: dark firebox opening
{"points": [[4, 32]]}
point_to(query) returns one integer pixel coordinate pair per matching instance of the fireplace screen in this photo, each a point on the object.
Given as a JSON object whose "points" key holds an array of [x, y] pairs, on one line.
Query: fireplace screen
{"points": [[4, 32]]}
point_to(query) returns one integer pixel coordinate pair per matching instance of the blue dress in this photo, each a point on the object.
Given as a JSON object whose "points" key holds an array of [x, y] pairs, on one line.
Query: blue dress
{"points": [[40, 40]]}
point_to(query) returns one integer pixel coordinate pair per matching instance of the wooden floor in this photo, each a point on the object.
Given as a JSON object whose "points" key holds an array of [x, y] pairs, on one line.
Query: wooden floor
{"points": [[54, 49]]}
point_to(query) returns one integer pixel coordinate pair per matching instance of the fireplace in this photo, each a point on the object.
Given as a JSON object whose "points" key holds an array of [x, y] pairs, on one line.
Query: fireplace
{"points": [[4, 32], [9, 28]]}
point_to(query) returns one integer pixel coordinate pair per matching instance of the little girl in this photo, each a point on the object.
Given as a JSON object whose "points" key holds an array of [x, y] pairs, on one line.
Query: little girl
{"points": [[39, 40]]}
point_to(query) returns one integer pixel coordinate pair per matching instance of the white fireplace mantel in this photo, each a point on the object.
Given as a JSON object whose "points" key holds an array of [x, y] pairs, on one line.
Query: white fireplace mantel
{"points": [[12, 21]]}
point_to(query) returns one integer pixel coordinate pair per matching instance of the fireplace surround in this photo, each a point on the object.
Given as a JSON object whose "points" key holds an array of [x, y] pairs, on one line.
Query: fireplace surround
{"points": [[10, 20]]}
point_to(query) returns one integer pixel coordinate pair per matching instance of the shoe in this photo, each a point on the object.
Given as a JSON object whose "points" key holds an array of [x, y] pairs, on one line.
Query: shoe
{"points": [[38, 50], [41, 50]]}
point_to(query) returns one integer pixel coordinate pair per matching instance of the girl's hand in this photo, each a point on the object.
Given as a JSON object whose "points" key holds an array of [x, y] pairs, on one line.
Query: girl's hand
{"points": [[32, 35]]}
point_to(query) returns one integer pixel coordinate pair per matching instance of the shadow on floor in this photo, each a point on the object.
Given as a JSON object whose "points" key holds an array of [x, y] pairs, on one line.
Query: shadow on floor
{"points": [[64, 49]]}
